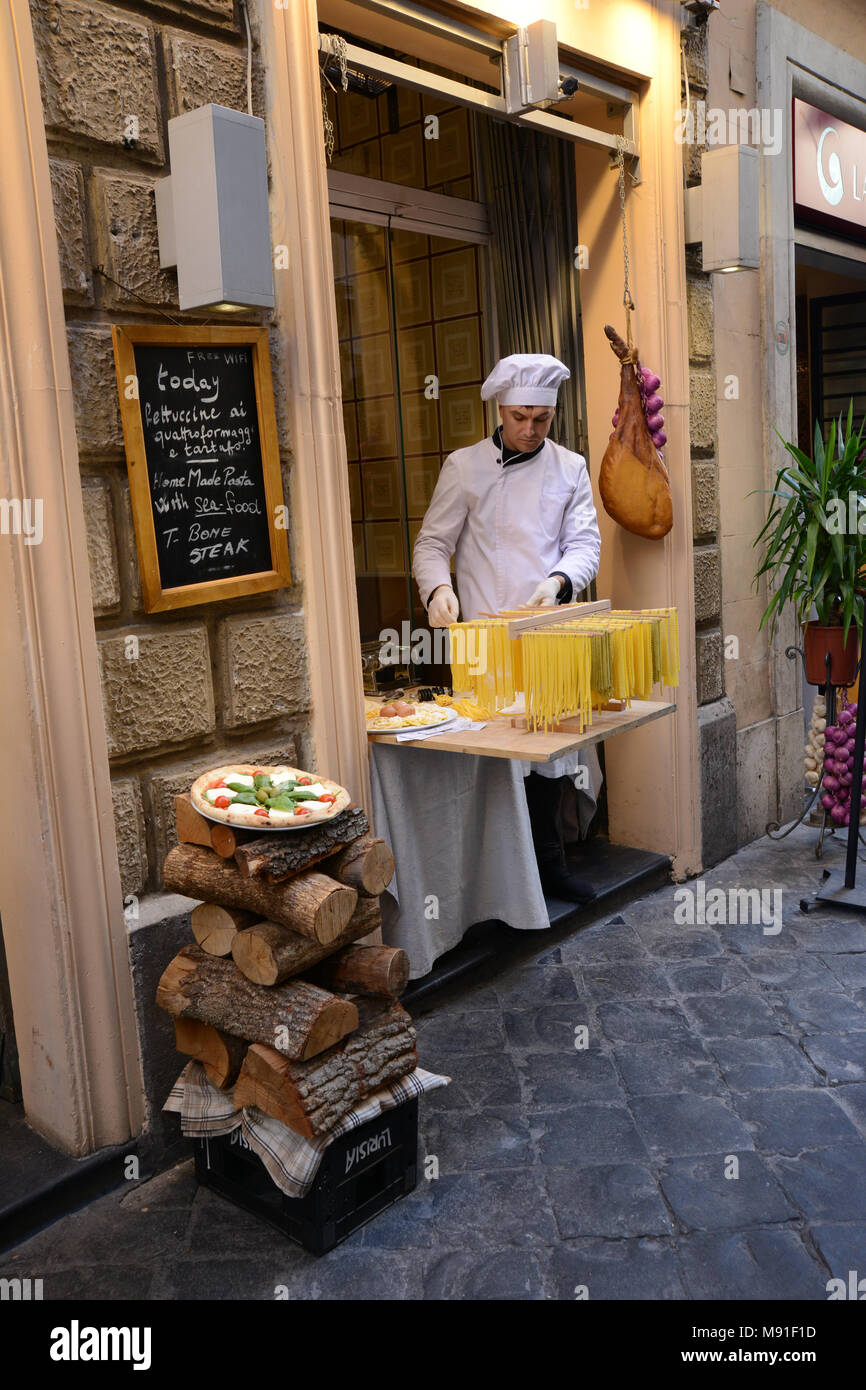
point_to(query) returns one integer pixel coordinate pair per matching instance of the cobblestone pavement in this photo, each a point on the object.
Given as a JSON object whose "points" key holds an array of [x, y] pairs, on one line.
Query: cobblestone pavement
{"points": [[711, 1050]]}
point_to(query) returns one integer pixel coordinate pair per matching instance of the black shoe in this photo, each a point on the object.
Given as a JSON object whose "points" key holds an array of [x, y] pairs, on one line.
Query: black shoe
{"points": [[558, 882]]}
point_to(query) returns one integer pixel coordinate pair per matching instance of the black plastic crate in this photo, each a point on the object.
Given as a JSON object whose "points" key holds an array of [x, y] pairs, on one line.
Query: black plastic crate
{"points": [[361, 1174]]}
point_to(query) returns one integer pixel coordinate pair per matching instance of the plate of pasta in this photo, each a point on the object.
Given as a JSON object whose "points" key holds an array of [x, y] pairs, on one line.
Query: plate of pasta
{"points": [[390, 718]]}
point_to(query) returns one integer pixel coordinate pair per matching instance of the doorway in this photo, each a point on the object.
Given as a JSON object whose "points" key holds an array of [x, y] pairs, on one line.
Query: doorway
{"points": [[838, 323], [413, 339], [416, 328], [452, 237], [831, 333], [831, 359]]}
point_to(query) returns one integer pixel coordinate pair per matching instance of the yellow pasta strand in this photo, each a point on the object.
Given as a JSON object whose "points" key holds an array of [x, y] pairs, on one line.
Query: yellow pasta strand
{"points": [[567, 667]]}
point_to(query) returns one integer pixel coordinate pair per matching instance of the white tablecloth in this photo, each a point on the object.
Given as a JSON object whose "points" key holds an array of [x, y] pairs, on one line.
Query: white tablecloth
{"points": [[459, 829]]}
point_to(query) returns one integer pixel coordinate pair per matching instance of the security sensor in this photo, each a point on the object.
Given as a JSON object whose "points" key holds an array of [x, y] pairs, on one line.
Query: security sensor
{"points": [[531, 79]]}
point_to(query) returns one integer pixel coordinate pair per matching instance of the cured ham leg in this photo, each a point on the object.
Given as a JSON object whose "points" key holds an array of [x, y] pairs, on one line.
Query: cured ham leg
{"points": [[633, 482]]}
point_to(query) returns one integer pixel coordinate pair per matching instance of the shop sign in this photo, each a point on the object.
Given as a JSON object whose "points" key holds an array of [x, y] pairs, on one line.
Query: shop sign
{"points": [[202, 454], [829, 171]]}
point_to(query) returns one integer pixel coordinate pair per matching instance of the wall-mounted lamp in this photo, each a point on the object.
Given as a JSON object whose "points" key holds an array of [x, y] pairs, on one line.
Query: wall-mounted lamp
{"points": [[530, 69], [701, 9], [212, 210], [722, 211]]}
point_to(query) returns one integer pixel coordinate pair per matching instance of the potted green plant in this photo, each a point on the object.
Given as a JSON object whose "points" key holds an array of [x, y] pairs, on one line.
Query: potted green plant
{"points": [[815, 538]]}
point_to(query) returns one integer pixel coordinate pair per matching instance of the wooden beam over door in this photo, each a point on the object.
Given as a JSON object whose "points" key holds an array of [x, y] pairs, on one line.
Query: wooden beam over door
{"points": [[475, 98]]}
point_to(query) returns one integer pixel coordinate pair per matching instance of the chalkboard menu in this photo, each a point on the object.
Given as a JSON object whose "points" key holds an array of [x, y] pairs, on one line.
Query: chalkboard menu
{"points": [[201, 446]]}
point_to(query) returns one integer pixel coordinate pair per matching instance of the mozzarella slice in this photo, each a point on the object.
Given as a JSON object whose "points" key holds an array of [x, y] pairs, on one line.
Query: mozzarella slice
{"points": [[242, 778], [213, 792]]}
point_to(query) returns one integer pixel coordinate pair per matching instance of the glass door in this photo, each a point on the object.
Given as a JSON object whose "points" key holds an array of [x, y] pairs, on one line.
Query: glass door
{"points": [[410, 311], [838, 357]]}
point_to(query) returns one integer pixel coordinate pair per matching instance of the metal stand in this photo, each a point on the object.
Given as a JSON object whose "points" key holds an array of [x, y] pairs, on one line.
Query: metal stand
{"points": [[843, 890]]}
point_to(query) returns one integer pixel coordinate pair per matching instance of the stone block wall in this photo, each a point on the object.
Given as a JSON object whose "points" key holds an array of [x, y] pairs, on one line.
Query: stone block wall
{"points": [[702, 415], [717, 723], [218, 682]]}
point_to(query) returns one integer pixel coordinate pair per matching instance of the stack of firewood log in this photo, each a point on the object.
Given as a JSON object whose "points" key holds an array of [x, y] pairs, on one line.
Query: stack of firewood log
{"points": [[276, 999]]}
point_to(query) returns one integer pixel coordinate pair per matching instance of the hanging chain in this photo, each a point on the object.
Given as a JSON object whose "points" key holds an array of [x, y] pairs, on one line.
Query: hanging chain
{"points": [[627, 300], [338, 47]]}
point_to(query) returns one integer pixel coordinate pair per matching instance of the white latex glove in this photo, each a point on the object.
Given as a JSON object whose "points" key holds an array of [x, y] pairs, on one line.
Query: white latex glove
{"points": [[444, 608], [546, 594]]}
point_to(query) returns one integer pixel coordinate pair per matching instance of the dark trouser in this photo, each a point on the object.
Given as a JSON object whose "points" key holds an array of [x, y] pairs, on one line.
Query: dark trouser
{"points": [[543, 795]]}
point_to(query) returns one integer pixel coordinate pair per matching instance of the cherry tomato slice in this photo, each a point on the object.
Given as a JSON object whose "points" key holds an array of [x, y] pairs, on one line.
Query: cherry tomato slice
{"points": [[305, 781], [327, 796], [223, 802], [302, 811], [260, 812]]}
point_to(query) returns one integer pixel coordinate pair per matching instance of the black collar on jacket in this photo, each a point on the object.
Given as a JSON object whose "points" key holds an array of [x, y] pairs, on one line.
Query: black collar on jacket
{"points": [[512, 455]]}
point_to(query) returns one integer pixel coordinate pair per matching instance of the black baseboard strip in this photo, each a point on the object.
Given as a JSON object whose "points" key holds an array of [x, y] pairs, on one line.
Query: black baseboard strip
{"points": [[93, 1177]]}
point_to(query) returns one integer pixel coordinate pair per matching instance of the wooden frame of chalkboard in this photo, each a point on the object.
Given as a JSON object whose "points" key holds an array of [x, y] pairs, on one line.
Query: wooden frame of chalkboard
{"points": [[200, 432]]}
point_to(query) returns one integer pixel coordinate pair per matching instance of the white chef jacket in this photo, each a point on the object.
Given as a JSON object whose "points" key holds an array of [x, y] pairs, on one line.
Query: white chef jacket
{"points": [[510, 526]]}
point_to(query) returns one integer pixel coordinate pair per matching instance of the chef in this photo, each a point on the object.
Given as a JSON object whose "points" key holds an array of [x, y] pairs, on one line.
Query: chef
{"points": [[516, 511]]}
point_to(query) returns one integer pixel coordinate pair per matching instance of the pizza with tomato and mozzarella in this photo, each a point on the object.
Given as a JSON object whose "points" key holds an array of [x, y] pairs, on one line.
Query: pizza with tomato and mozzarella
{"points": [[267, 798]]}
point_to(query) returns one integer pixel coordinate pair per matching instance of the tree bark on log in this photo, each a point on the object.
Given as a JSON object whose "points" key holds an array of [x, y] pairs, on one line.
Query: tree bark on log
{"points": [[312, 1097], [367, 865], [298, 1020], [215, 927], [381, 971], [312, 904], [283, 856], [221, 1054], [268, 953]]}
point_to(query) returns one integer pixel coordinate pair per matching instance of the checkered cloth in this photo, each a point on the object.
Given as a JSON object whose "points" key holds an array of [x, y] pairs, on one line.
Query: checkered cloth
{"points": [[291, 1160]]}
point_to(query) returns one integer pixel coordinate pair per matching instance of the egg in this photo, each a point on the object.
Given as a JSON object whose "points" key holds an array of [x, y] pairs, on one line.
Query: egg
{"points": [[388, 711]]}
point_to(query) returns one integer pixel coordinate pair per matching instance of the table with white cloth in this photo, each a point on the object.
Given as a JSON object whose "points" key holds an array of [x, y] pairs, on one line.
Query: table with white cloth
{"points": [[453, 809]]}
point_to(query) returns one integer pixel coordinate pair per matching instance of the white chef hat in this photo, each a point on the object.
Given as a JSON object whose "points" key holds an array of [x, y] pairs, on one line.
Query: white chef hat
{"points": [[525, 378]]}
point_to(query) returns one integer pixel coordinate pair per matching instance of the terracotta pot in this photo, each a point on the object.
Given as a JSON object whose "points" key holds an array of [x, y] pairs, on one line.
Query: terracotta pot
{"points": [[817, 641]]}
